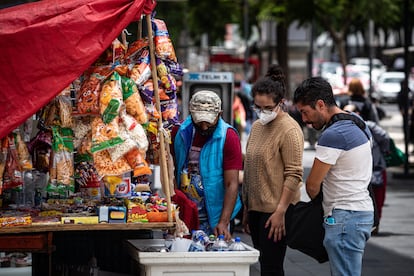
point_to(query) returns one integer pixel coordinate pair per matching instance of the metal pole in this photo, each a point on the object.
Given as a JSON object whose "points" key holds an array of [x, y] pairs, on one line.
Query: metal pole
{"points": [[371, 53], [404, 91], [246, 37], [407, 75], [311, 49]]}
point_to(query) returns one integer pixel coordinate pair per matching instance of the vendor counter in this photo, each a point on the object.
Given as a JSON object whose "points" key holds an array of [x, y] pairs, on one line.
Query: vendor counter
{"points": [[58, 247]]}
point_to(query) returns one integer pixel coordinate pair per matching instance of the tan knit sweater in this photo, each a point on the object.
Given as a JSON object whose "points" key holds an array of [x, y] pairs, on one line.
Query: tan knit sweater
{"points": [[273, 159]]}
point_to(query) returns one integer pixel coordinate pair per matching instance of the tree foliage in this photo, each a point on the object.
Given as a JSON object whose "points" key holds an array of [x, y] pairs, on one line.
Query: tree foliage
{"points": [[337, 17]]}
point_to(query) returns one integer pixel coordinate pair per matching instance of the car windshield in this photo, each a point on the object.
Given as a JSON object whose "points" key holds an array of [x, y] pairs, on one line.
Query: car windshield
{"points": [[393, 80], [354, 74], [329, 67]]}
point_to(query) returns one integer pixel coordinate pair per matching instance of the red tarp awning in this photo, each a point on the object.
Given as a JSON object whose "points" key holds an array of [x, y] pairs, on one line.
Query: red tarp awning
{"points": [[46, 45]]}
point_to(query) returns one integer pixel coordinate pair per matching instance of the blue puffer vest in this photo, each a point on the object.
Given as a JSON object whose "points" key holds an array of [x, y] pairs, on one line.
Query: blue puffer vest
{"points": [[211, 166]]}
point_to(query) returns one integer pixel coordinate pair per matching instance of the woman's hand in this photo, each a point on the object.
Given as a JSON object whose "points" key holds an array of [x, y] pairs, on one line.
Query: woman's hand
{"points": [[245, 222], [276, 225]]}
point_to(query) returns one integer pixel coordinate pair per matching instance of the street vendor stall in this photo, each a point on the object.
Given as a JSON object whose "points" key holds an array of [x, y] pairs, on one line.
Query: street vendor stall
{"points": [[86, 113]]}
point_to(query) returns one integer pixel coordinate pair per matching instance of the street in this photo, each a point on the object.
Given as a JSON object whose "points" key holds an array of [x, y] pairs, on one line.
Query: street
{"points": [[391, 252]]}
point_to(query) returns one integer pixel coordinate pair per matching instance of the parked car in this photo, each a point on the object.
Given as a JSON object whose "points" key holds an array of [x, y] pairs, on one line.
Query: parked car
{"points": [[354, 72], [389, 85], [362, 63], [329, 68]]}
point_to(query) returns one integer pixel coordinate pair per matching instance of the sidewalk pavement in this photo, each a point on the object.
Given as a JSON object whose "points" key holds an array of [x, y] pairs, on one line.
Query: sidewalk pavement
{"points": [[391, 252]]}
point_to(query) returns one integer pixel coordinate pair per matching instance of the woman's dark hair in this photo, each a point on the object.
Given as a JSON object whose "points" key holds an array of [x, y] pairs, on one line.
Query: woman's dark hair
{"points": [[273, 84], [313, 89]]}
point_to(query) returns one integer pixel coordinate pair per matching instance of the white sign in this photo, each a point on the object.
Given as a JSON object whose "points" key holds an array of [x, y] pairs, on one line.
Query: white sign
{"points": [[216, 77]]}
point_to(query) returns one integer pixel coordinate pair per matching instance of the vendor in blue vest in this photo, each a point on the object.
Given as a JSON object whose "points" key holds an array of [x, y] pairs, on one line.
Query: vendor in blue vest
{"points": [[208, 157]]}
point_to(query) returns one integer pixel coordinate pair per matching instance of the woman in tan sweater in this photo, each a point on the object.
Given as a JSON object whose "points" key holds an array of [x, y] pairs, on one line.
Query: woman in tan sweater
{"points": [[272, 171]]}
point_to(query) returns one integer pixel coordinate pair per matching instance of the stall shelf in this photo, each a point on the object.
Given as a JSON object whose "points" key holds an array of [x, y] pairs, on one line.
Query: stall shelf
{"points": [[45, 240], [84, 227], [42, 239]]}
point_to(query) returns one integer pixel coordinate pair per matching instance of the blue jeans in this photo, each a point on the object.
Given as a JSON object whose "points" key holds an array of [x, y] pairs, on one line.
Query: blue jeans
{"points": [[345, 240]]}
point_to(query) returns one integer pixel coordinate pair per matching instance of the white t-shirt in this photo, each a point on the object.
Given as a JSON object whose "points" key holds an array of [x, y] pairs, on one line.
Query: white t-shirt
{"points": [[347, 148]]}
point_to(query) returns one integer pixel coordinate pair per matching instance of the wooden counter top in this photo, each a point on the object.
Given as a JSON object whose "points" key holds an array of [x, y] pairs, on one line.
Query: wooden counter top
{"points": [[83, 227]]}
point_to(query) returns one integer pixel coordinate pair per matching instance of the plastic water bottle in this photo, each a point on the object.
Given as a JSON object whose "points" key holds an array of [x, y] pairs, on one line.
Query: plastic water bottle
{"points": [[197, 246], [237, 245], [220, 244], [196, 234]]}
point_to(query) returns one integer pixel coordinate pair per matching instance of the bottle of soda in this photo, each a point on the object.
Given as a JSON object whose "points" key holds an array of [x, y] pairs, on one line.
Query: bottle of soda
{"points": [[209, 244], [220, 244], [197, 246], [237, 245]]}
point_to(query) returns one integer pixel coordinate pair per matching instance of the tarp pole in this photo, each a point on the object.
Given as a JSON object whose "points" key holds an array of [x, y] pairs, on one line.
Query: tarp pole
{"points": [[163, 160]]}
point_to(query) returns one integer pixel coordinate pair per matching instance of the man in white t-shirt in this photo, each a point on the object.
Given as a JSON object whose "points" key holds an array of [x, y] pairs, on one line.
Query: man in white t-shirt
{"points": [[342, 169]]}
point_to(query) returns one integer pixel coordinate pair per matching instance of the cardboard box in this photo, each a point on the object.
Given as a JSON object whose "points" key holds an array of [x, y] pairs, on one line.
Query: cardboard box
{"points": [[80, 220]]}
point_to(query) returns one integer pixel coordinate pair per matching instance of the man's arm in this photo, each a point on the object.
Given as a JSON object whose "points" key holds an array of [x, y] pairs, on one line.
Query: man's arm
{"points": [[314, 180], [231, 189]]}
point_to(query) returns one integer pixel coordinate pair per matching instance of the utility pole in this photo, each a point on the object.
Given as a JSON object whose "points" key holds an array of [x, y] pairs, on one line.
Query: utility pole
{"points": [[371, 53], [246, 38], [404, 88]]}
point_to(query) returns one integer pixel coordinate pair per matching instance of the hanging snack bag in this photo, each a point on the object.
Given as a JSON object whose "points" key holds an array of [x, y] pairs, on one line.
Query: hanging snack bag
{"points": [[115, 53], [163, 45], [80, 130], [62, 169], [3, 160], [133, 102], [64, 105], [13, 173], [61, 173], [40, 148], [110, 99], [147, 95], [153, 152], [23, 155], [136, 156], [136, 159], [122, 70], [135, 49], [168, 82], [84, 151], [141, 70], [135, 131], [88, 95], [82, 139], [121, 149], [174, 68], [105, 166], [104, 136], [118, 51], [169, 111]]}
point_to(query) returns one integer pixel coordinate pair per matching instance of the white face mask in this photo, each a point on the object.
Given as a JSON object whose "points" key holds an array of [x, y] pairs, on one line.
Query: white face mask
{"points": [[265, 117]]}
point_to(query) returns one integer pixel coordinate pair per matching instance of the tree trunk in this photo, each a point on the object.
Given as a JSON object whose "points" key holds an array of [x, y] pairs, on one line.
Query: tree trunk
{"points": [[282, 51]]}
